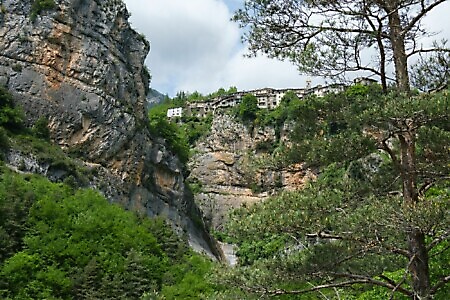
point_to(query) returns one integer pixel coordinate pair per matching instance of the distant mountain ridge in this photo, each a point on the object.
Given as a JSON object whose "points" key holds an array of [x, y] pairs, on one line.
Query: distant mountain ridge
{"points": [[154, 97]]}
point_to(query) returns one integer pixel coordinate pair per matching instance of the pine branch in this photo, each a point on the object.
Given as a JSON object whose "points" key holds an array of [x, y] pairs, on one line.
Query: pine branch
{"points": [[438, 240], [441, 283], [420, 15], [418, 51]]}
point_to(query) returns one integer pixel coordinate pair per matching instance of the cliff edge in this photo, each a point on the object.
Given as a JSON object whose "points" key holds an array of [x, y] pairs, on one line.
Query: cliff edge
{"points": [[79, 64]]}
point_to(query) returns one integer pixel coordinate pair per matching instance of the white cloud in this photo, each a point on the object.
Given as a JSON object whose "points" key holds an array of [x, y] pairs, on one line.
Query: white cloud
{"points": [[250, 73], [436, 22], [195, 47], [191, 41]]}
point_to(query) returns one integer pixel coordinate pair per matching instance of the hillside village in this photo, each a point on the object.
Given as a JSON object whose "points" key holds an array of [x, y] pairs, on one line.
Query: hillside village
{"points": [[268, 98]]}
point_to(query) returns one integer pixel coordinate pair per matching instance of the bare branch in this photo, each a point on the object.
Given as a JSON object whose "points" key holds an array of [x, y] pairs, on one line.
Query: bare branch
{"points": [[420, 15], [356, 279], [440, 284], [438, 240], [418, 51], [369, 280]]}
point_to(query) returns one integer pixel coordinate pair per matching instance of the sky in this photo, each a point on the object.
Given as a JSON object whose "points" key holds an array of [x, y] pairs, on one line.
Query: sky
{"points": [[195, 47]]}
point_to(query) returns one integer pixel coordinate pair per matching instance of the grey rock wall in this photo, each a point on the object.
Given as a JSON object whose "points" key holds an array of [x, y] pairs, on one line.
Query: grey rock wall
{"points": [[81, 65], [232, 171]]}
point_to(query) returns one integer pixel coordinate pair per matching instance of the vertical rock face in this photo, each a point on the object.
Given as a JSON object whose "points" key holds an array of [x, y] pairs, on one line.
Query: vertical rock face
{"points": [[233, 168], [81, 65]]}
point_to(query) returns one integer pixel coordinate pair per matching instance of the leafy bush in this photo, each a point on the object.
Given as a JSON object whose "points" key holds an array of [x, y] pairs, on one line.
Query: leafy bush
{"points": [[61, 243], [265, 146], [195, 128], [248, 109], [176, 139], [40, 128], [187, 280], [58, 243], [4, 140], [11, 117], [40, 5], [15, 202]]}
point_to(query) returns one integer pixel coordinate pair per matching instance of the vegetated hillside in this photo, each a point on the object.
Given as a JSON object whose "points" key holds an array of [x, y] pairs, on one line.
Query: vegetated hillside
{"points": [[344, 235], [235, 165], [232, 160], [154, 97], [79, 65], [60, 239]]}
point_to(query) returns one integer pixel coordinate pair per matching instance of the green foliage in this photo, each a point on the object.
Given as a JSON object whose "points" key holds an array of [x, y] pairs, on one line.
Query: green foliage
{"points": [[15, 202], [293, 223], [195, 128], [40, 129], [4, 140], [11, 117], [58, 243], [40, 5], [161, 127], [222, 92], [198, 97], [278, 117], [352, 223], [265, 146], [336, 122], [195, 97], [188, 280], [175, 247], [248, 109], [267, 247], [179, 137]]}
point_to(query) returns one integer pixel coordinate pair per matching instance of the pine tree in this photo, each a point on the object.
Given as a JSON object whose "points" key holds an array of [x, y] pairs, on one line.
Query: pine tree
{"points": [[379, 213]]}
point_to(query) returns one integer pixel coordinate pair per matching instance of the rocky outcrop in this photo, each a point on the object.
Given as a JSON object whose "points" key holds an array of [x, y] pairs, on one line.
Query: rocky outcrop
{"points": [[235, 166], [81, 65]]}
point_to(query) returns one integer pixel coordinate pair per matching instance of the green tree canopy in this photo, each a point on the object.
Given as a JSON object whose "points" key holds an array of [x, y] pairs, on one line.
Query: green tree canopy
{"points": [[377, 216], [175, 138], [11, 117], [58, 243], [248, 109]]}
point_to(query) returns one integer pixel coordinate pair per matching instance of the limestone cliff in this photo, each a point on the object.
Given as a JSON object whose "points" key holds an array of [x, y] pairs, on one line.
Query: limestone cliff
{"points": [[233, 166], [81, 65]]}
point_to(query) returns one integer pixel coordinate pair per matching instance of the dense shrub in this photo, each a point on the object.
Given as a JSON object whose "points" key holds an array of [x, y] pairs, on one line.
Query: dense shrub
{"points": [[60, 243], [40, 128], [195, 128], [11, 117], [57, 243], [40, 5], [248, 109], [4, 140], [175, 138]]}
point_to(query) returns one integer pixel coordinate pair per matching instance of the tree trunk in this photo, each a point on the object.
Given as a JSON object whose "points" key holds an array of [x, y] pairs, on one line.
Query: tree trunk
{"points": [[397, 39], [383, 65], [418, 253]]}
